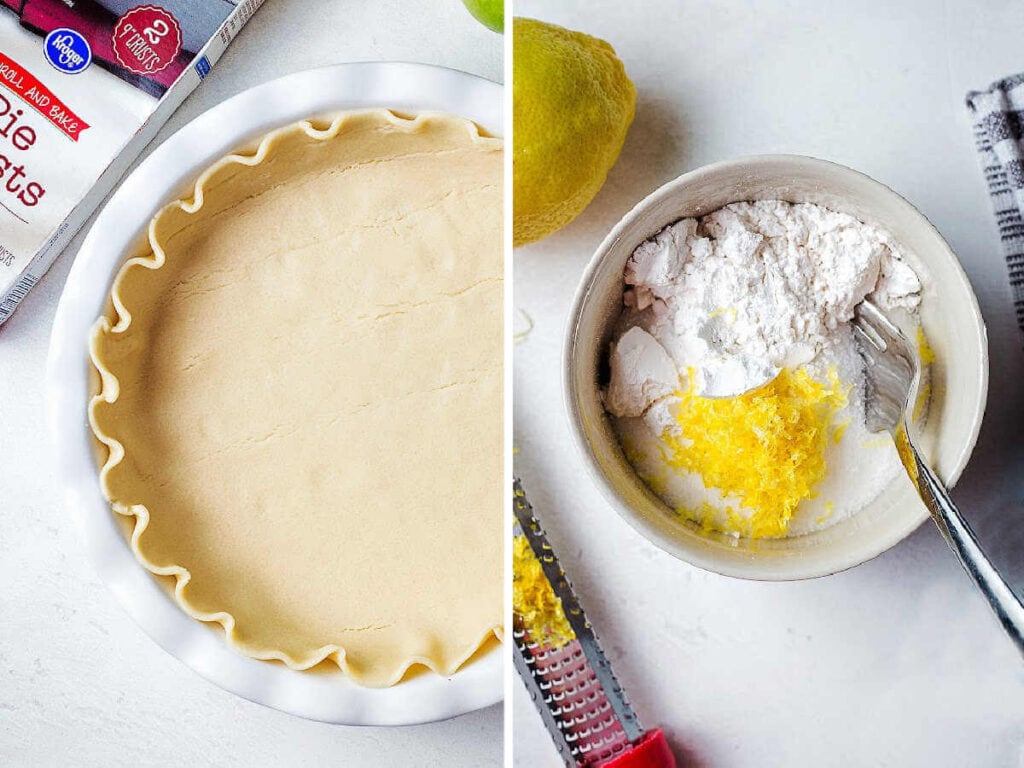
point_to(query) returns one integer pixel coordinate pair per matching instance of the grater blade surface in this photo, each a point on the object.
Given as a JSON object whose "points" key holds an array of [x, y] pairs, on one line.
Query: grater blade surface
{"points": [[572, 685]]}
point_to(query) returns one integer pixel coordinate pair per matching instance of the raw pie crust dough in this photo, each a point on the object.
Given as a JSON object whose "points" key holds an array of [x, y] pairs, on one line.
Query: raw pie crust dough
{"points": [[301, 395]]}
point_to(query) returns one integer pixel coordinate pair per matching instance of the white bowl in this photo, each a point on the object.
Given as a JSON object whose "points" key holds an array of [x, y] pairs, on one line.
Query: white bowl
{"points": [[949, 314], [118, 231]]}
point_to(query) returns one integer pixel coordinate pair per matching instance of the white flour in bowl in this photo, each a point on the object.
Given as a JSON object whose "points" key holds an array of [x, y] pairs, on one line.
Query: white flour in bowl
{"points": [[755, 287], [721, 305]]}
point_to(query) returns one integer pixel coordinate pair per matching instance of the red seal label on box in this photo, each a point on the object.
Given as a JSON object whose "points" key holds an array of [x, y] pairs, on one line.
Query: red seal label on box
{"points": [[147, 39]]}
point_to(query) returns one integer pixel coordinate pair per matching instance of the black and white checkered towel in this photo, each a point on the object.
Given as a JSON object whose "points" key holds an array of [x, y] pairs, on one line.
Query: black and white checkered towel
{"points": [[998, 115]]}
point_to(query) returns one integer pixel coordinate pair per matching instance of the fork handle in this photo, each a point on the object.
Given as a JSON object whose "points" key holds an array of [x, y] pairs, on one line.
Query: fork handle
{"points": [[962, 541]]}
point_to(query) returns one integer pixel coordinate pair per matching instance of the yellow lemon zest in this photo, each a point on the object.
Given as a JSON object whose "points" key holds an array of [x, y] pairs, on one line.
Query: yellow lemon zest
{"points": [[729, 312], [924, 393], [830, 508], [878, 442], [520, 336], [765, 447], [924, 349], [924, 396], [534, 601]]}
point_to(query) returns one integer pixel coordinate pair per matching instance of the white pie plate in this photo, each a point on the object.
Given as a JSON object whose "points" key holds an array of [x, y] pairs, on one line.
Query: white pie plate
{"points": [[166, 174]]}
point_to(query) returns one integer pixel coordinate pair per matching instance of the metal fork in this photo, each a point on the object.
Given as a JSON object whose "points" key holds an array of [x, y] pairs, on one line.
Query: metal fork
{"points": [[893, 375]]}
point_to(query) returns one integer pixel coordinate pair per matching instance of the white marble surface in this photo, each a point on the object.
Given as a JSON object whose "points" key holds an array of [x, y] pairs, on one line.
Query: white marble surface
{"points": [[80, 684], [896, 662]]}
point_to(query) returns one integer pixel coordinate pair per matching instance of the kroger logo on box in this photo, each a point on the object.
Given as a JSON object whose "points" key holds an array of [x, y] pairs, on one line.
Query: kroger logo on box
{"points": [[67, 50]]}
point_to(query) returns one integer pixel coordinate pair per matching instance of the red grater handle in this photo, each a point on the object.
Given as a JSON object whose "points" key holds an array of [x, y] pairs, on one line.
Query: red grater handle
{"points": [[650, 752]]}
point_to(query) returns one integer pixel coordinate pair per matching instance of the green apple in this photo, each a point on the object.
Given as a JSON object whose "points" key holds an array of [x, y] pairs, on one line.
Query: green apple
{"points": [[490, 13]]}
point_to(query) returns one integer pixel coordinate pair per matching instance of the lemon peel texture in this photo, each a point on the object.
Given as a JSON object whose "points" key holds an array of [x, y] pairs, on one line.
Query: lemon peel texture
{"points": [[572, 105]]}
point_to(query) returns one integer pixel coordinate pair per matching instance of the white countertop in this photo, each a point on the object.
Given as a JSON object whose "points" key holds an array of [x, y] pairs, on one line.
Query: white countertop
{"points": [[80, 684], [896, 662]]}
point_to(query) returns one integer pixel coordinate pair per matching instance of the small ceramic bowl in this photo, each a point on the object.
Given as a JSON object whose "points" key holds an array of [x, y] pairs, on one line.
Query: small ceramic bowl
{"points": [[949, 314]]}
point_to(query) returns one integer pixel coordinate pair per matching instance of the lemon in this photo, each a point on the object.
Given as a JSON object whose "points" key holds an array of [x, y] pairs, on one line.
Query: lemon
{"points": [[572, 104], [490, 13]]}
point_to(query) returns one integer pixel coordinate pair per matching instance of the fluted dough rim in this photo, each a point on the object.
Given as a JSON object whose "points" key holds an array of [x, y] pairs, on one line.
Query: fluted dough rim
{"points": [[117, 318]]}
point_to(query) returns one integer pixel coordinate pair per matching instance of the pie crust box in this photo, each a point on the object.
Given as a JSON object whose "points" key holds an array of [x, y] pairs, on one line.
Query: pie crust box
{"points": [[84, 87]]}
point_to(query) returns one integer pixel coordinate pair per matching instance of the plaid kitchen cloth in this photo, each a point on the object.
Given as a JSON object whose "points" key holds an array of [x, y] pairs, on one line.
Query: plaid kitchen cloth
{"points": [[998, 115]]}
